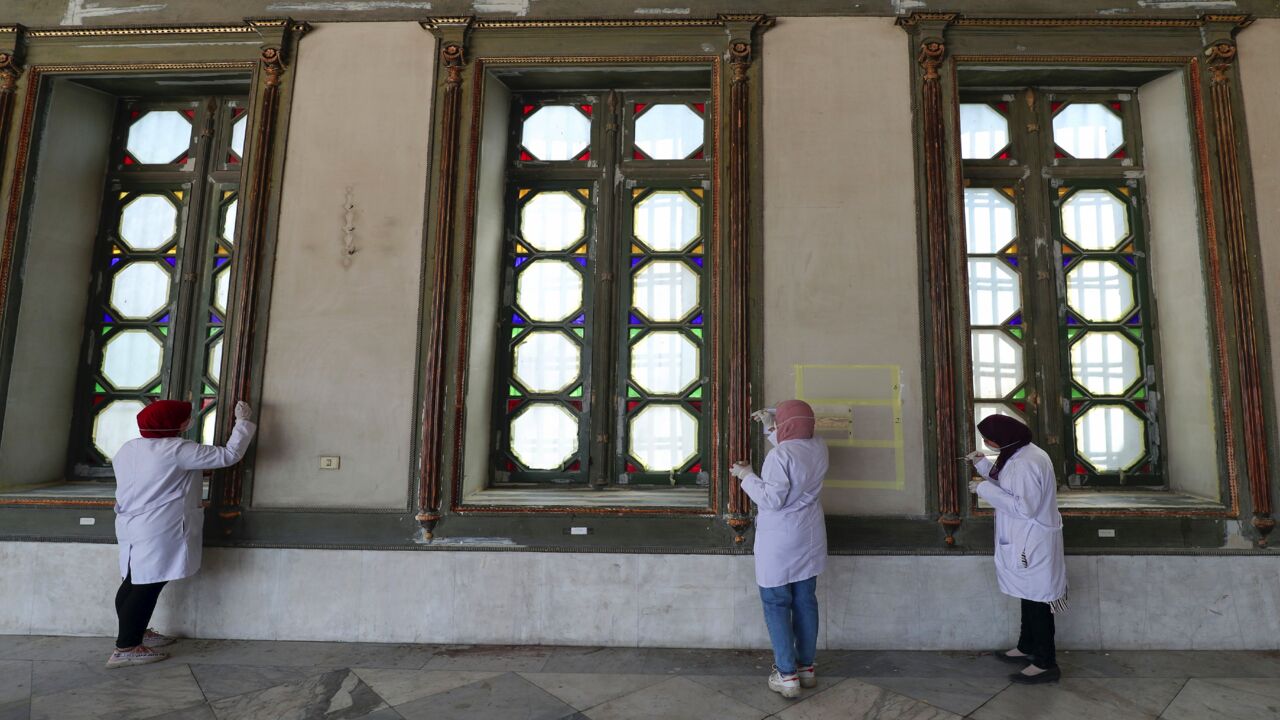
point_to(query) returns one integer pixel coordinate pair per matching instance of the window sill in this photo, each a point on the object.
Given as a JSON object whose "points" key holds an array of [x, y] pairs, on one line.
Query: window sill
{"points": [[1084, 502], [71, 493], [588, 499]]}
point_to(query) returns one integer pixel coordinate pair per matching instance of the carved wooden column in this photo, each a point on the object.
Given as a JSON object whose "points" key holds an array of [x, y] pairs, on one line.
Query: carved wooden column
{"points": [[932, 53], [452, 33], [741, 31], [10, 71], [1221, 56], [277, 36]]}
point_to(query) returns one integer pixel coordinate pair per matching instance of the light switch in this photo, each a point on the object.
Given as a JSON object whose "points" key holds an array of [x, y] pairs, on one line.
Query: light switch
{"points": [[1106, 533], [330, 462], [88, 521]]}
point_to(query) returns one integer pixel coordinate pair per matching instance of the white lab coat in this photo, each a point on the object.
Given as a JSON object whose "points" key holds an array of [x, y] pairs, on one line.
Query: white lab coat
{"points": [[791, 530], [159, 518], [1027, 521]]}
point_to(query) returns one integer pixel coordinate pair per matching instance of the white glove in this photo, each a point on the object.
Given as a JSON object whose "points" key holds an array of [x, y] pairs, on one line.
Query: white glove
{"points": [[973, 486], [975, 456], [764, 416], [243, 411], [740, 470]]}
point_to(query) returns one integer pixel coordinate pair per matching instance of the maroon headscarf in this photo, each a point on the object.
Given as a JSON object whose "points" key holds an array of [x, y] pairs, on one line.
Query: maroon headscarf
{"points": [[1008, 433], [795, 420], [163, 418]]}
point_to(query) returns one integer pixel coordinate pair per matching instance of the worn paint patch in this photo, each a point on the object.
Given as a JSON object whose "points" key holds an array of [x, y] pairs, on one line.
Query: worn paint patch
{"points": [[515, 7], [901, 7], [1189, 4], [663, 11], [79, 10], [350, 6]]}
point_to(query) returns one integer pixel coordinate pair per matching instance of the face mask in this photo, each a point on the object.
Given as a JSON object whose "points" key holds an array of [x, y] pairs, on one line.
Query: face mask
{"points": [[772, 435]]}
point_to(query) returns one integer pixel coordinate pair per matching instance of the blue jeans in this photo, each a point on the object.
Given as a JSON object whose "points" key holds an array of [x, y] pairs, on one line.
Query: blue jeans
{"points": [[791, 613]]}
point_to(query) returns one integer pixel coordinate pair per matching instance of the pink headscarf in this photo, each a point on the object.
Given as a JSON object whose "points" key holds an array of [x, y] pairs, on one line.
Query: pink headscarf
{"points": [[795, 420]]}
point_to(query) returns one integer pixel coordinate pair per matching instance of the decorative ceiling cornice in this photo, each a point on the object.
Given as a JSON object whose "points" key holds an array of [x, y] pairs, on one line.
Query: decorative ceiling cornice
{"points": [[958, 20]]}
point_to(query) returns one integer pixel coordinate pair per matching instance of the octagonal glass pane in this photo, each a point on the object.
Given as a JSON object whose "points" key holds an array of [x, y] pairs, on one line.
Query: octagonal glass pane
{"points": [[1100, 290], [1095, 219], [115, 425], [1110, 438], [1105, 363], [222, 289], [229, 221], [997, 363], [1088, 130], [989, 221], [207, 427], [549, 290], [552, 221], [237, 134], [667, 221], [984, 132], [669, 132], [139, 290], [148, 222], [664, 363], [160, 136], [995, 291], [665, 290], [663, 437], [214, 361], [131, 360], [547, 362], [556, 132], [544, 436]]}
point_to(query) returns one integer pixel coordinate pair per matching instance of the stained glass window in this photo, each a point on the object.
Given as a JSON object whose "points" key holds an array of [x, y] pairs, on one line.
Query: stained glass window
{"points": [[162, 272], [1059, 326], [605, 302]]}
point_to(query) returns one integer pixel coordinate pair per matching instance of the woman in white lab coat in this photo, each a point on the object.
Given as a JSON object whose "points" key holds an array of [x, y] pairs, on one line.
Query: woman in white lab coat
{"points": [[1030, 565], [791, 541], [159, 517]]}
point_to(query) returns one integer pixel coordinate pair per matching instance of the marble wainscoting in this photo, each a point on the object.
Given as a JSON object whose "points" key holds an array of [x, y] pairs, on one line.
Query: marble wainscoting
{"points": [[1118, 602]]}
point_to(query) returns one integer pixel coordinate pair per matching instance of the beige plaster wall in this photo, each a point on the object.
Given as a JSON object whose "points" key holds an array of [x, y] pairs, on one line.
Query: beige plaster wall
{"points": [[840, 272], [1178, 282], [341, 347], [46, 355], [1262, 106]]}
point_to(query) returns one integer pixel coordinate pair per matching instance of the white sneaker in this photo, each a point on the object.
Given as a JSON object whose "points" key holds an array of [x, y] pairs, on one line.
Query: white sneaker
{"points": [[788, 686], [153, 639], [808, 676], [141, 655]]}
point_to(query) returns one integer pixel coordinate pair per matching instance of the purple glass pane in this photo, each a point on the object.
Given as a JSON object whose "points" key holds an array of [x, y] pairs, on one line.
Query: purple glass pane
{"points": [[580, 319], [521, 260], [173, 262], [1071, 319], [697, 320], [1131, 260], [1135, 320], [114, 260], [635, 320], [1016, 319], [636, 260], [106, 318], [1012, 261], [219, 262], [1066, 261], [581, 261], [516, 319], [164, 319], [214, 319], [697, 260]]}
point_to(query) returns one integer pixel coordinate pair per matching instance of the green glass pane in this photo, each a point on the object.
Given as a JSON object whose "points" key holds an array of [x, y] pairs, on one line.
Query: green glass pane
{"points": [[631, 392], [579, 332], [1141, 393], [1072, 332], [696, 393], [164, 330], [636, 331], [98, 388], [209, 390], [106, 330], [1016, 332], [515, 332], [1137, 334], [513, 392], [1020, 395], [577, 392], [697, 332], [1076, 393]]}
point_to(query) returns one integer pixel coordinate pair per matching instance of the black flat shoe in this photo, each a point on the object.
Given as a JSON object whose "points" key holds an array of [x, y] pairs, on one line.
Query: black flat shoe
{"points": [[1048, 676], [1004, 656]]}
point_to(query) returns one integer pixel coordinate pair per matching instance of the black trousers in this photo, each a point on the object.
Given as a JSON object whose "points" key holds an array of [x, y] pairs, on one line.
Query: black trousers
{"points": [[134, 605], [1036, 639]]}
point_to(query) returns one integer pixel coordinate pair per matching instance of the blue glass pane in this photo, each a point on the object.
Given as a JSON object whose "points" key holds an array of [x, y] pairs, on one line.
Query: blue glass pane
{"points": [[1131, 260], [165, 319], [697, 320], [106, 318], [173, 262], [697, 260], [521, 260], [635, 260], [219, 262], [1016, 319], [1012, 261], [1066, 261], [214, 319], [115, 260], [1135, 320], [581, 261], [1071, 319], [635, 320], [580, 319], [516, 319]]}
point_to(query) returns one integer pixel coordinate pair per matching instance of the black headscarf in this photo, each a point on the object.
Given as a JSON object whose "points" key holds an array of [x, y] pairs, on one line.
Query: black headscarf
{"points": [[1008, 433]]}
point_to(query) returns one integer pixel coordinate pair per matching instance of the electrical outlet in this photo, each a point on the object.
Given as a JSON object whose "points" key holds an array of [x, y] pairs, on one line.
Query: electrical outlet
{"points": [[330, 462]]}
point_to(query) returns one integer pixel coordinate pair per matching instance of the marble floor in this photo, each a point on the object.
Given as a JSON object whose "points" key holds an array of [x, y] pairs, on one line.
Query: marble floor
{"points": [[62, 678]]}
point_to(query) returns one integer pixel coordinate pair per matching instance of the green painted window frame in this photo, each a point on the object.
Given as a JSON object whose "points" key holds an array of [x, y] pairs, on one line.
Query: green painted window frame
{"points": [[1041, 179], [190, 332], [615, 181]]}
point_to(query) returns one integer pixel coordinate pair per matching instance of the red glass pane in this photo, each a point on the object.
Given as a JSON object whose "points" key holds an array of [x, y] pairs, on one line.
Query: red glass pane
{"points": [[577, 404], [512, 405], [233, 159], [701, 108], [206, 403], [1053, 107], [1003, 155], [524, 155], [1081, 469], [586, 155], [632, 405], [1075, 407], [528, 110], [632, 468], [182, 159], [1058, 153], [1003, 107], [696, 467], [696, 405], [1021, 407], [637, 155], [698, 155], [190, 113], [576, 466], [128, 159], [586, 110], [1120, 153], [97, 399], [1115, 105], [640, 107], [511, 467]]}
